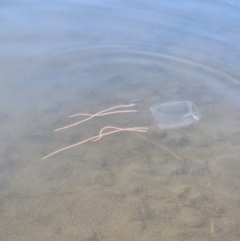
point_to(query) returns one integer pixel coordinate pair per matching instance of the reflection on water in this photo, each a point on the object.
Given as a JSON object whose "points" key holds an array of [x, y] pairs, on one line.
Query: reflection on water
{"points": [[64, 57]]}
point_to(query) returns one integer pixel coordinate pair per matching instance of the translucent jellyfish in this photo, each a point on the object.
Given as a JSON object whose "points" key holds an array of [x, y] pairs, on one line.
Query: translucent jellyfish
{"points": [[175, 114]]}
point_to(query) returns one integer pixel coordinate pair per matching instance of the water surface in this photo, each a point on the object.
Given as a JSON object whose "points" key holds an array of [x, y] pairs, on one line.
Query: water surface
{"points": [[64, 57]]}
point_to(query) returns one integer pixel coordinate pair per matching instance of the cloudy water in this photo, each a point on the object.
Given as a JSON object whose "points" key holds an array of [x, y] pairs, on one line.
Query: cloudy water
{"points": [[60, 58]]}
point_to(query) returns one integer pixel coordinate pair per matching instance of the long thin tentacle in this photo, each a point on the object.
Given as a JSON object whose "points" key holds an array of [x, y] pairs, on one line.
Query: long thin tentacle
{"points": [[99, 136], [98, 114]]}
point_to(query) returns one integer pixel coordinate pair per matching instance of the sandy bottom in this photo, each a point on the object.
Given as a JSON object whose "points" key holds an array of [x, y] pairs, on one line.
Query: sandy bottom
{"points": [[161, 185]]}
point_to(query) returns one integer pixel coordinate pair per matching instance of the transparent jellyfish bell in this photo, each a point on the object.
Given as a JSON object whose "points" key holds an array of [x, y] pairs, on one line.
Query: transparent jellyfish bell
{"points": [[175, 114]]}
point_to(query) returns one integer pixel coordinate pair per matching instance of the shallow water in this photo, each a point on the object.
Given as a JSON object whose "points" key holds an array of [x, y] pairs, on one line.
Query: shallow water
{"points": [[64, 57]]}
